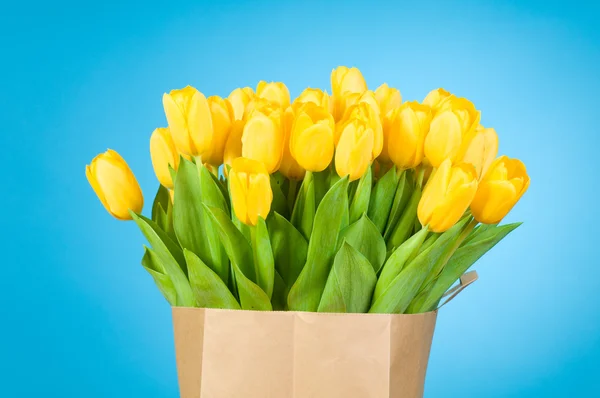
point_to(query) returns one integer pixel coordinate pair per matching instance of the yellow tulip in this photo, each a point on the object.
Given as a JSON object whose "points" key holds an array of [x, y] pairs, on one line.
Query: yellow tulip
{"points": [[251, 192], [499, 190], [312, 139], [480, 150], [447, 195], [233, 146], [388, 98], [263, 137], [163, 154], [406, 135], [115, 185], [190, 122], [366, 112], [345, 81], [222, 118], [468, 116], [275, 92], [354, 151], [316, 96], [239, 100], [289, 167], [436, 98]]}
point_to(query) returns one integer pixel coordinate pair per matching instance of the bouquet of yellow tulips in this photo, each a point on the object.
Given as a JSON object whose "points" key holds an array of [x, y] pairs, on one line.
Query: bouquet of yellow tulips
{"points": [[349, 202]]}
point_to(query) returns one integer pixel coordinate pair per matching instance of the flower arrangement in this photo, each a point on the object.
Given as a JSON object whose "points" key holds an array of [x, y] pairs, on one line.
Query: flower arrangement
{"points": [[349, 202]]}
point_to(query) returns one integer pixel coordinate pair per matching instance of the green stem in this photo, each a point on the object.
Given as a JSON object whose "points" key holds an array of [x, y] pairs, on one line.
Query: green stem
{"points": [[420, 176], [291, 196]]}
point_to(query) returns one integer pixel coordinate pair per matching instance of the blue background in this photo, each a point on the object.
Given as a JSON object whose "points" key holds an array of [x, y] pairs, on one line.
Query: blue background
{"points": [[80, 317]]}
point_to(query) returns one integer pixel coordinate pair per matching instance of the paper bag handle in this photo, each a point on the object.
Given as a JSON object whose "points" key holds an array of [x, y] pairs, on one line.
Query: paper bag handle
{"points": [[465, 280]]}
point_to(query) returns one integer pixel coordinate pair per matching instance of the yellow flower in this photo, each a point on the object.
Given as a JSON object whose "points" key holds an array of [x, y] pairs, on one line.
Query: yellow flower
{"points": [[316, 96], [251, 192], [436, 98], [263, 137], [364, 111], [480, 150], [468, 116], [447, 195], [222, 118], [163, 154], [388, 98], [239, 100], [406, 135], [312, 138], [115, 185], [233, 146], [499, 190], [275, 92], [190, 122], [345, 81], [354, 151], [289, 167]]}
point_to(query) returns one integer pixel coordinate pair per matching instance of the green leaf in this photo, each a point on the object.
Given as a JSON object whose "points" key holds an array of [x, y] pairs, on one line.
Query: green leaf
{"points": [[395, 264], [280, 292], [303, 214], [151, 263], [210, 291], [321, 183], [401, 197], [458, 264], [170, 256], [279, 203], [405, 225], [401, 291], [305, 294], [263, 256], [364, 237], [289, 248], [360, 201], [252, 297], [162, 199], [221, 184], [350, 283], [382, 198], [195, 187]]}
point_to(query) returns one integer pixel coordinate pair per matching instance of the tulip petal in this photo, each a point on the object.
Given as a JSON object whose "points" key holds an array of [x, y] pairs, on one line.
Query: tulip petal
{"points": [[444, 138]]}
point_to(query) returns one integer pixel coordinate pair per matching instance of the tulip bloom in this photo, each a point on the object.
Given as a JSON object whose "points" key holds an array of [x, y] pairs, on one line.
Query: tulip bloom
{"points": [[239, 100], [289, 167], [468, 116], [345, 81], [447, 195], [436, 98], [233, 146], [480, 150], [312, 138], [275, 92], [354, 151], [222, 118], [250, 187], [388, 98], [405, 137], [316, 96], [499, 190], [263, 137], [115, 185], [189, 117], [369, 115], [163, 154]]}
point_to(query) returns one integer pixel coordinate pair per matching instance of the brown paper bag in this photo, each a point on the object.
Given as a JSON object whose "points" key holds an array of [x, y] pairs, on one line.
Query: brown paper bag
{"points": [[251, 354]]}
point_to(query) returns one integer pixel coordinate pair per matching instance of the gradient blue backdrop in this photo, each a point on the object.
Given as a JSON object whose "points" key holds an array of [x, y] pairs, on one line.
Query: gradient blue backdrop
{"points": [[80, 317]]}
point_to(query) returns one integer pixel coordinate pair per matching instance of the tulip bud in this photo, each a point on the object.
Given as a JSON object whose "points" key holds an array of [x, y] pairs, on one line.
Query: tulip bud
{"points": [[406, 136], [447, 195], [468, 116], [189, 117], [163, 154], [222, 118], [499, 190], [312, 137], [115, 185], [354, 150], [316, 96], [251, 193], [233, 146], [275, 92], [345, 81], [480, 150], [436, 98], [263, 137], [388, 98], [289, 167], [239, 99], [370, 115]]}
